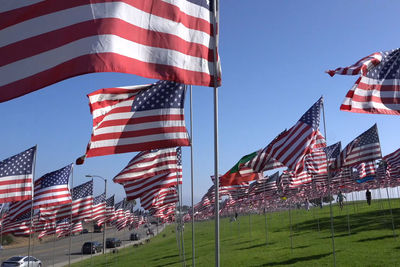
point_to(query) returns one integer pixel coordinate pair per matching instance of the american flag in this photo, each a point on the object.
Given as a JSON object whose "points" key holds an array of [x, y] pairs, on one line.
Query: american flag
{"points": [[52, 189], [377, 90], [392, 165], [140, 187], [157, 39], [137, 118], [332, 154], [63, 227], [110, 211], [77, 228], [99, 209], [263, 161], [158, 198], [148, 164], [366, 147], [291, 146], [366, 169], [19, 227], [19, 209], [16, 175], [82, 202]]}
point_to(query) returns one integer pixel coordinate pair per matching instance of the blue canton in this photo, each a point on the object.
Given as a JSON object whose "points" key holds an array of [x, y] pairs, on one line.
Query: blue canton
{"points": [[388, 68], [83, 190], [20, 164], [368, 137], [203, 3], [312, 116], [99, 199], [162, 94], [58, 177], [110, 201], [333, 151], [179, 156]]}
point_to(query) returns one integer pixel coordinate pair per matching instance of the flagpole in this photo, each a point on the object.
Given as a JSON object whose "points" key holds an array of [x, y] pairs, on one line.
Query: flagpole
{"points": [[91, 234], [215, 4], [290, 222], [192, 175], [70, 217], [329, 193], [265, 215], [33, 194]]}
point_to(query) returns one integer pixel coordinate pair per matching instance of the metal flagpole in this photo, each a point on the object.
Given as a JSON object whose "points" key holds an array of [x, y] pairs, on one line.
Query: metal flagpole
{"points": [[216, 174], [265, 215], [330, 194], [70, 216], [290, 222], [181, 228], [33, 193], [178, 237], [192, 175], [391, 212]]}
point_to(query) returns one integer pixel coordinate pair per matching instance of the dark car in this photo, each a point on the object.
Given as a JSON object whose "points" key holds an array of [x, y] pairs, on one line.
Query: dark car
{"points": [[91, 247], [135, 237], [97, 228], [113, 242]]}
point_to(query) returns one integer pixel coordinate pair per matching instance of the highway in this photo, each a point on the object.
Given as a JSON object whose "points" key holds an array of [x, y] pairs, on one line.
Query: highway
{"points": [[56, 253]]}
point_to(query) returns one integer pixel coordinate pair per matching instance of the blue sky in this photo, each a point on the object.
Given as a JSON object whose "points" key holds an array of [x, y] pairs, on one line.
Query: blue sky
{"points": [[274, 54]]}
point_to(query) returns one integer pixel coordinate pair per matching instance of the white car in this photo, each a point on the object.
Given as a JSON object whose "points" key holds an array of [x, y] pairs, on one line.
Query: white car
{"points": [[22, 261]]}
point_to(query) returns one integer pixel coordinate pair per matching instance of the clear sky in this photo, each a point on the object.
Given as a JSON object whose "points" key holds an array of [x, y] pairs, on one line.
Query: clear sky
{"points": [[274, 54]]}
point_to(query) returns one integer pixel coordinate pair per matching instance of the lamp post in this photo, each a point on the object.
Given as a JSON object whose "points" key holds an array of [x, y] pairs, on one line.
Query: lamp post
{"points": [[105, 197]]}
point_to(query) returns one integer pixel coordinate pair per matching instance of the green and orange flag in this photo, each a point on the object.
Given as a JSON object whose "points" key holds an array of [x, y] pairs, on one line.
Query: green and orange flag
{"points": [[239, 173]]}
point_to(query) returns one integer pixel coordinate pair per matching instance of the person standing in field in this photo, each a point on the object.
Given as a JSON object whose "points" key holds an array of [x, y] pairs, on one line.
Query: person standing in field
{"points": [[368, 196], [340, 198], [307, 204]]}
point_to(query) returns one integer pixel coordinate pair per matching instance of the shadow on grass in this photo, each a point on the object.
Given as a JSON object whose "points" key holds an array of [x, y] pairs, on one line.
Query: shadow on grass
{"points": [[301, 247], [296, 260], [166, 257], [341, 235], [257, 246], [362, 221], [376, 238]]}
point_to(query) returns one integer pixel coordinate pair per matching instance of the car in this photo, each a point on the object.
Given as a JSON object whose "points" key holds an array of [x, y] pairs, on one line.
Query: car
{"points": [[91, 247], [135, 237], [113, 242], [22, 261]]}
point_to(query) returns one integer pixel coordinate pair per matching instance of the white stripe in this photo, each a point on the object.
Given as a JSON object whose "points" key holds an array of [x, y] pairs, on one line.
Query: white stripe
{"points": [[64, 18], [139, 114], [191, 9], [97, 45], [137, 140]]}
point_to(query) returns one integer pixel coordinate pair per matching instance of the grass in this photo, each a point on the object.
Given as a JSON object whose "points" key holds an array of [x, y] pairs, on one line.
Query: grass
{"points": [[370, 243]]}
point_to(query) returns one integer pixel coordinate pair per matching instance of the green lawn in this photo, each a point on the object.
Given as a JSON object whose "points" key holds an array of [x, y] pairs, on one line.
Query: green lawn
{"points": [[371, 242]]}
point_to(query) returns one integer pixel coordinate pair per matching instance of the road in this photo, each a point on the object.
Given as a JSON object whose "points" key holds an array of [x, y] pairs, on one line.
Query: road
{"points": [[56, 253]]}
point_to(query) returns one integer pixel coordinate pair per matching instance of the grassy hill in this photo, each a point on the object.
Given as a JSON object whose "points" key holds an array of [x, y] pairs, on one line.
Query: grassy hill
{"points": [[243, 243]]}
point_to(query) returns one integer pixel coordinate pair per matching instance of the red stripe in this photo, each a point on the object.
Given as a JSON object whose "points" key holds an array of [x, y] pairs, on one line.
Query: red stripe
{"points": [[94, 152], [104, 62], [16, 198], [39, 192], [16, 181], [13, 190], [39, 44], [157, 165]]}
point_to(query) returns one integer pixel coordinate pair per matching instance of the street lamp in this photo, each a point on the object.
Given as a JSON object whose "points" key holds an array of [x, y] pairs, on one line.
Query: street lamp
{"points": [[105, 196]]}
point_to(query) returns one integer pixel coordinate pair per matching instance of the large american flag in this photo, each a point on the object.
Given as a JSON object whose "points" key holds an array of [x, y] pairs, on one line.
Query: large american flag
{"points": [[16, 175], [291, 146], [148, 164], [18, 209], [52, 189], [377, 90], [365, 147], [137, 118], [159, 39]]}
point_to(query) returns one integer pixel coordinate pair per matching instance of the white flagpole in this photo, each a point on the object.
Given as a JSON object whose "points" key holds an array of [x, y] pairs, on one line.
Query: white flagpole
{"points": [[215, 5], [33, 193], [70, 217], [192, 176], [330, 194]]}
